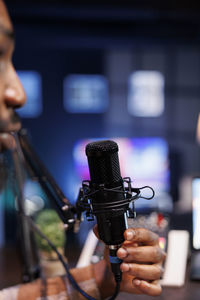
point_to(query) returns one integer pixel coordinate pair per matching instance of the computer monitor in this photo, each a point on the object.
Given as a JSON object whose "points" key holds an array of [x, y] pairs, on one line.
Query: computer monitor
{"points": [[196, 212], [145, 160]]}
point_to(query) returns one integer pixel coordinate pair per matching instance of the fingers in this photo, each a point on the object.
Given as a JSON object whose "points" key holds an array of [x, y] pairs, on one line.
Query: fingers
{"points": [[139, 286], [141, 235], [146, 272], [144, 287], [142, 254], [136, 235]]}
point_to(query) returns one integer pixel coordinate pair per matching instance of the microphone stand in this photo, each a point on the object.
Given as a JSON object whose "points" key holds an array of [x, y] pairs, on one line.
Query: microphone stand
{"points": [[25, 155]]}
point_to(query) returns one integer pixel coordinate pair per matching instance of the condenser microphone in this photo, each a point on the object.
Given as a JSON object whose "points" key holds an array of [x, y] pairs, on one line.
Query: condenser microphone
{"points": [[108, 196]]}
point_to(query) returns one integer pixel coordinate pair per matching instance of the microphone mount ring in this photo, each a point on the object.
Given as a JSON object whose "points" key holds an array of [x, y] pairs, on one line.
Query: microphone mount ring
{"points": [[85, 201]]}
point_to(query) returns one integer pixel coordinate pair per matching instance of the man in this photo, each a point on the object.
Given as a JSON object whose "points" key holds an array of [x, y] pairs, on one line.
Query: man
{"points": [[141, 254]]}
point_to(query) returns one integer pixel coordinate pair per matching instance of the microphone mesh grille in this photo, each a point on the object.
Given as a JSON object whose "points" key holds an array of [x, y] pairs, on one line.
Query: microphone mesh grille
{"points": [[103, 162], [98, 147]]}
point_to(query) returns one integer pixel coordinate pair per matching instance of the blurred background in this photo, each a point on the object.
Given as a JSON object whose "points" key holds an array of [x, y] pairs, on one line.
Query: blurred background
{"points": [[125, 70]]}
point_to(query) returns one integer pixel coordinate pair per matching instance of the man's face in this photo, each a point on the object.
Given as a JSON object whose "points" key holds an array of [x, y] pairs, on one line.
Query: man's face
{"points": [[11, 91]]}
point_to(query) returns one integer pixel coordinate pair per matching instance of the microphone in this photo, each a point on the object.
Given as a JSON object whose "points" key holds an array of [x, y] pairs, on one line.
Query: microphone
{"points": [[105, 173], [108, 195]]}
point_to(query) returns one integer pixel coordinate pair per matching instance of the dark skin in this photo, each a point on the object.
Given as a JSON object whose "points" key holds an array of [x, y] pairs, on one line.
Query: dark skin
{"points": [[12, 94], [141, 254]]}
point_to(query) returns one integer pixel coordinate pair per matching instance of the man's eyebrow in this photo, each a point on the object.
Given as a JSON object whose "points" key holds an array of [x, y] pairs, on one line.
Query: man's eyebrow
{"points": [[7, 32]]}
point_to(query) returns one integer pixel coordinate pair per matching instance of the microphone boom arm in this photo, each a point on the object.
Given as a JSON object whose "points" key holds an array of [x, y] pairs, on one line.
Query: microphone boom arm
{"points": [[40, 173]]}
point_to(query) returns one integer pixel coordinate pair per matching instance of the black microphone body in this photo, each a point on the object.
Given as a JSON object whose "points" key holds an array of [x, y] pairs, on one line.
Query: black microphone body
{"points": [[104, 169], [107, 191]]}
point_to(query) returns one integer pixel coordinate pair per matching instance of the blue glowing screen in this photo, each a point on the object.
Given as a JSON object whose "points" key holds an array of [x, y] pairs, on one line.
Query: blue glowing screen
{"points": [[85, 93], [32, 84]]}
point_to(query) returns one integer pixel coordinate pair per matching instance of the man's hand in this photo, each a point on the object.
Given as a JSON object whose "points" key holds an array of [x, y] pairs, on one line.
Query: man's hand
{"points": [[141, 267], [142, 262]]}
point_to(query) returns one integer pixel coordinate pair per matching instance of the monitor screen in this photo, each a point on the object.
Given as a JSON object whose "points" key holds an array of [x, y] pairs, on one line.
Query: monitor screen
{"points": [[32, 83], [196, 212], [85, 93], [144, 160]]}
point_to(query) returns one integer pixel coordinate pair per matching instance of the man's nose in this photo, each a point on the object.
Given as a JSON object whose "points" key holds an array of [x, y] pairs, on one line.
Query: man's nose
{"points": [[14, 92]]}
